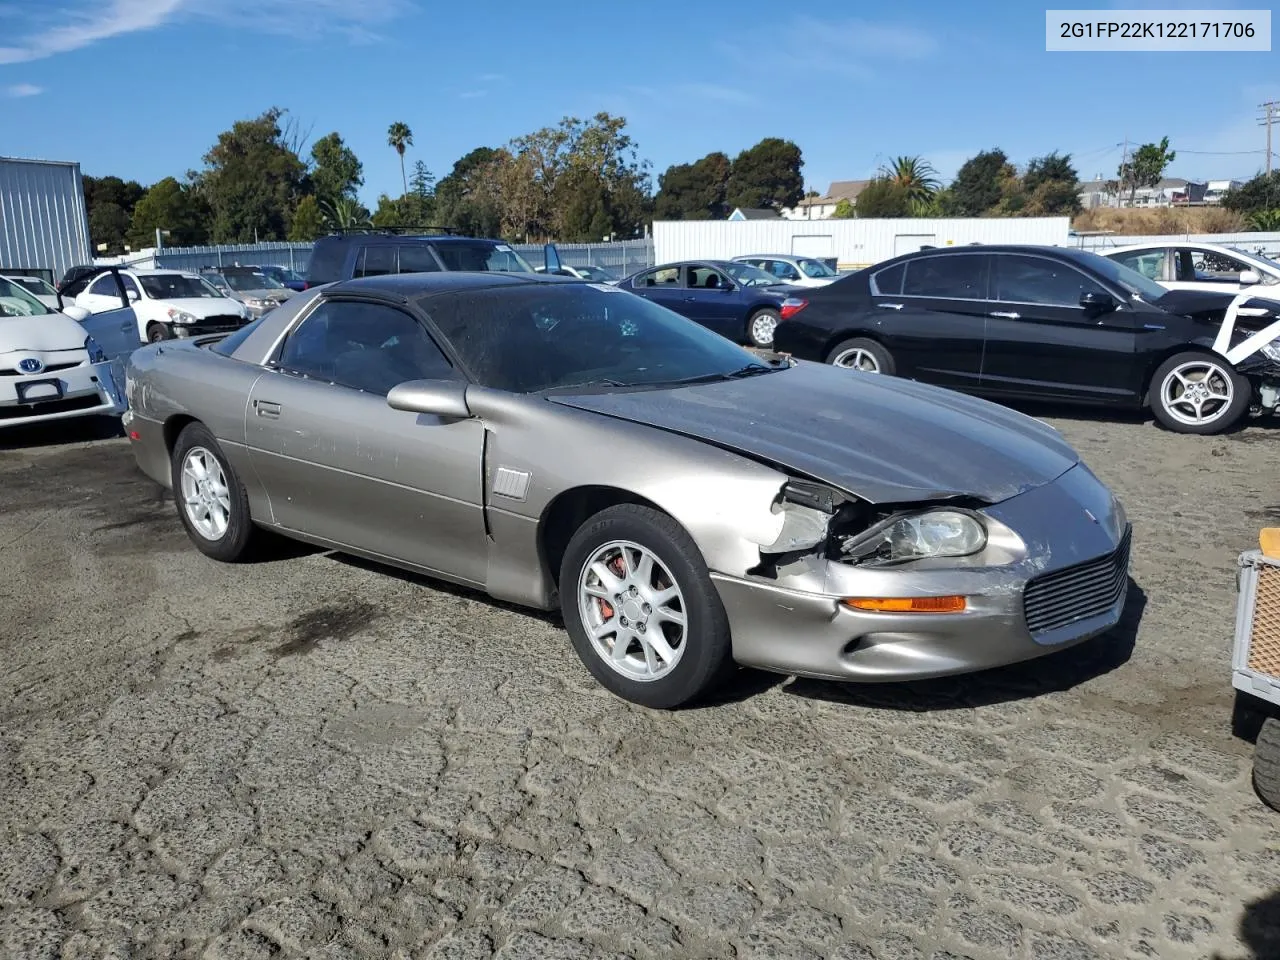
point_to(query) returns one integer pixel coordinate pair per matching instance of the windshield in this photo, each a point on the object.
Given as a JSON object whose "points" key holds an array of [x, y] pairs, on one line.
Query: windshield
{"points": [[598, 274], [1263, 266], [540, 337], [284, 274], [35, 285], [17, 302], [750, 276], [174, 286], [815, 268], [482, 256], [1133, 283], [252, 281]]}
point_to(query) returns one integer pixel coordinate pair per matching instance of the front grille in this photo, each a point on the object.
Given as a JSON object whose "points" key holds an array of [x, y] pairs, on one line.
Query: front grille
{"points": [[48, 368], [1264, 641], [1089, 589], [42, 407]]}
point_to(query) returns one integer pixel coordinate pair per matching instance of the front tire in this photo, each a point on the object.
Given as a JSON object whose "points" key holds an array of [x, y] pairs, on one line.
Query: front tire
{"points": [[157, 332], [863, 355], [1198, 393], [211, 500], [641, 610], [1266, 763], [760, 327]]}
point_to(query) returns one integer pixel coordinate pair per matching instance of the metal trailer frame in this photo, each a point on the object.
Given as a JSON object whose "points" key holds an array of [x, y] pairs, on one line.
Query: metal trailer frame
{"points": [[1244, 678]]}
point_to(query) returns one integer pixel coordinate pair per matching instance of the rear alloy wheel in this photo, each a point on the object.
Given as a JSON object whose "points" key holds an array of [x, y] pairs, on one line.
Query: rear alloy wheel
{"points": [[761, 326], [863, 355], [641, 610], [1198, 393], [211, 501]]}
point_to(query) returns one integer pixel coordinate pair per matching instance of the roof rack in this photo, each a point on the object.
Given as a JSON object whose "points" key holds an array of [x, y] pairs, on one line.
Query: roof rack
{"points": [[394, 231]]}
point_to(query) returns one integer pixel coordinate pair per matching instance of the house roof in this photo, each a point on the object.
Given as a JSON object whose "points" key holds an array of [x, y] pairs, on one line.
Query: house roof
{"points": [[757, 213], [839, 190]]}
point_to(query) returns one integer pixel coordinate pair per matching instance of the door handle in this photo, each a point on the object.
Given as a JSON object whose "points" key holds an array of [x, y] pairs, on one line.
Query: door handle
{"points": [[267, 408], [889, 306], [1005, 315], [690, 299]]}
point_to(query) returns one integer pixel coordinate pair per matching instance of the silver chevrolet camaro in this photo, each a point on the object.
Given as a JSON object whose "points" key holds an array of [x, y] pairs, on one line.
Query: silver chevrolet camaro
{"points": [[686, 503]]}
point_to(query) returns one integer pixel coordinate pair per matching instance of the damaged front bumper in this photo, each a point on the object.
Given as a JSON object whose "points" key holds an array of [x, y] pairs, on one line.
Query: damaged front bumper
{"points": [[1054, 574]]}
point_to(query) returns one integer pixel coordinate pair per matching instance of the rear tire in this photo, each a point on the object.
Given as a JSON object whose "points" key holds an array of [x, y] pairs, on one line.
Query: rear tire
{"points": [[1200, 393], [211, 500], [1266, 763], [626, 573], [760, 327], [863, 355]]}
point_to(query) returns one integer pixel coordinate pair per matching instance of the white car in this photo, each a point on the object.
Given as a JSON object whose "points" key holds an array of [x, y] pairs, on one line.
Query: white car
{"points": [[42, 290], [593, 273], [168, 303], [54, 368], [791, 270], [1201, 266]]}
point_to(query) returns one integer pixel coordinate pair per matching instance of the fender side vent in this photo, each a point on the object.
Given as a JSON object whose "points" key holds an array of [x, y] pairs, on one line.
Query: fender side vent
{"points": [[512, 484]]}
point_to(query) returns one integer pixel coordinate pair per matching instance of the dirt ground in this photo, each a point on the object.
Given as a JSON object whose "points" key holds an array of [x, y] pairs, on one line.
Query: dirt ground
{"points": [[312, 756]]}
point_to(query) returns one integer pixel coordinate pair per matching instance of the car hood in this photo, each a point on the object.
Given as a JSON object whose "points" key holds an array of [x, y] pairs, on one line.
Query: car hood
{"points": [[884, 439], [266, 293], [205, 306], [42, 334]]}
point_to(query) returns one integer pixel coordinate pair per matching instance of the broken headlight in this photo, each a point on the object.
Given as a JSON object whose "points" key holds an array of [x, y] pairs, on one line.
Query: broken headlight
{"points": [[915, 536], [1271, 350]]}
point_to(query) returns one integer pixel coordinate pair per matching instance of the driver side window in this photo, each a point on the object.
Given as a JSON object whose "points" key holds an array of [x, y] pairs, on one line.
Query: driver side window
{"points": [[104, 286], [363, 346], [706, 278]]}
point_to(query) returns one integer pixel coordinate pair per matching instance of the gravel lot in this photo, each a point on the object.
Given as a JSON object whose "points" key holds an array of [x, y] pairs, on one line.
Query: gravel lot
{"points": [[312, 756]]}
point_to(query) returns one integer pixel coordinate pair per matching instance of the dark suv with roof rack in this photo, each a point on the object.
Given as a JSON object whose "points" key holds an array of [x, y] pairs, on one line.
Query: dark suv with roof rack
{"points": [[351, 254]]}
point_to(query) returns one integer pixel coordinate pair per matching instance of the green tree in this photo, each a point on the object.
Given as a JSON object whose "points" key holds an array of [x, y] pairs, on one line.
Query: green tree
{"points": [[916, 176], [345, 214], [465, 198], [400, 138], [336, 171], [1052, 186], [1267, 220], [169, 205], [766, 175], [979, 183], [253, 178], [844, 209], [1260, 193], [307, 222], [883, 197], [694, 191], [109, 203], [1145, 166]]}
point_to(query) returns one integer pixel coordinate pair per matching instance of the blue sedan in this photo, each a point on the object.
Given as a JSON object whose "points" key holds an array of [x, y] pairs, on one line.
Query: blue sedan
{"points": [[736, 300]]}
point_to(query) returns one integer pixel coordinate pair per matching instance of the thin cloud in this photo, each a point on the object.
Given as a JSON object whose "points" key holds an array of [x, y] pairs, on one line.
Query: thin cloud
{"points": [[472, 94], [19, 90], [855, 49], [492, 77], [77, 24], [714, 91]]}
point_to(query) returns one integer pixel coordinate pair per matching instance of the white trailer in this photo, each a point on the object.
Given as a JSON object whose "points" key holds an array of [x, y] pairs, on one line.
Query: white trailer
{"points": [[854, 243]]}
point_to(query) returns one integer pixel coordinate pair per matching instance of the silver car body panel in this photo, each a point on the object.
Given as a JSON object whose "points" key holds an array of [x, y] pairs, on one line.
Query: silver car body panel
{"points": [[469, 499]]}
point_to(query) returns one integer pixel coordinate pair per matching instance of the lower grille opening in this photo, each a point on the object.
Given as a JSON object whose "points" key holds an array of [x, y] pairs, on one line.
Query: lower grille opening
{"points": [[1059, 599]]}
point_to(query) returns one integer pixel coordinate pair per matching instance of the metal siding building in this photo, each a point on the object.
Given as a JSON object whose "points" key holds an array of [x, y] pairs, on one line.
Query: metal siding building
{"points": [[44, 225], [854, 243]]}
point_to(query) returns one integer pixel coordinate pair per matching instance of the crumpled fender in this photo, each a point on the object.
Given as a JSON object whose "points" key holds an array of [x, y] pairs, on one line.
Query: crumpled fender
{"points": [[1251, 345]]}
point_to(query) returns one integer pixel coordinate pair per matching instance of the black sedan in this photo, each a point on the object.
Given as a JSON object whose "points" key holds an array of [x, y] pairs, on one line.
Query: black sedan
{"points": [[736, 300], [1047, 323]]}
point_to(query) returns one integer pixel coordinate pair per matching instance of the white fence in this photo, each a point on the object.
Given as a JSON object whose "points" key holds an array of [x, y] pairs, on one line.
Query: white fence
{"points": [[854, 243]]}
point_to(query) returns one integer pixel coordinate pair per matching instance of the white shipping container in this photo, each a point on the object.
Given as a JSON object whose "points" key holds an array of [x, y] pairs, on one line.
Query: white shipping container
{"points": [[854, 243], [44, 226]]}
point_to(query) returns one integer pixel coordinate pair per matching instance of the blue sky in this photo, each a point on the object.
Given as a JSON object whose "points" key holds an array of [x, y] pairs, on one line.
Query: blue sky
{"points": [[141, 88]]}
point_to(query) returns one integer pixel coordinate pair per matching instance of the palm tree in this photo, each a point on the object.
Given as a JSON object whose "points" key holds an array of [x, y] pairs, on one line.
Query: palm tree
{"points": [[400, 136], [915, 175], [345, 214]]}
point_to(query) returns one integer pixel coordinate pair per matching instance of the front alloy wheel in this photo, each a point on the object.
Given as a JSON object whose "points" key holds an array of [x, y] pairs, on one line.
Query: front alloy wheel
{"points": [[1198, 393], [633, 611]]}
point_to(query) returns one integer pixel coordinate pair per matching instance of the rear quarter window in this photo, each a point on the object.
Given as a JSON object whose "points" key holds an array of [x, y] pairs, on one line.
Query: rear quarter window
{"points": [[327, 260], [889, 281]]}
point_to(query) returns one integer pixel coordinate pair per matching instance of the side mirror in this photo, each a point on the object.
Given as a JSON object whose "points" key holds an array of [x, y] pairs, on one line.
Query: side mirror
{"points": [[438, 398], [1096, 303], [132, 295], [1250, 277], [76, 313]]}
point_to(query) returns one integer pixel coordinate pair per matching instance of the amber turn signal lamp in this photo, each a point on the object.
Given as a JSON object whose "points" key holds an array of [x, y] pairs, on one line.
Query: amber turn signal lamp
{"points": [[908, 604]]}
